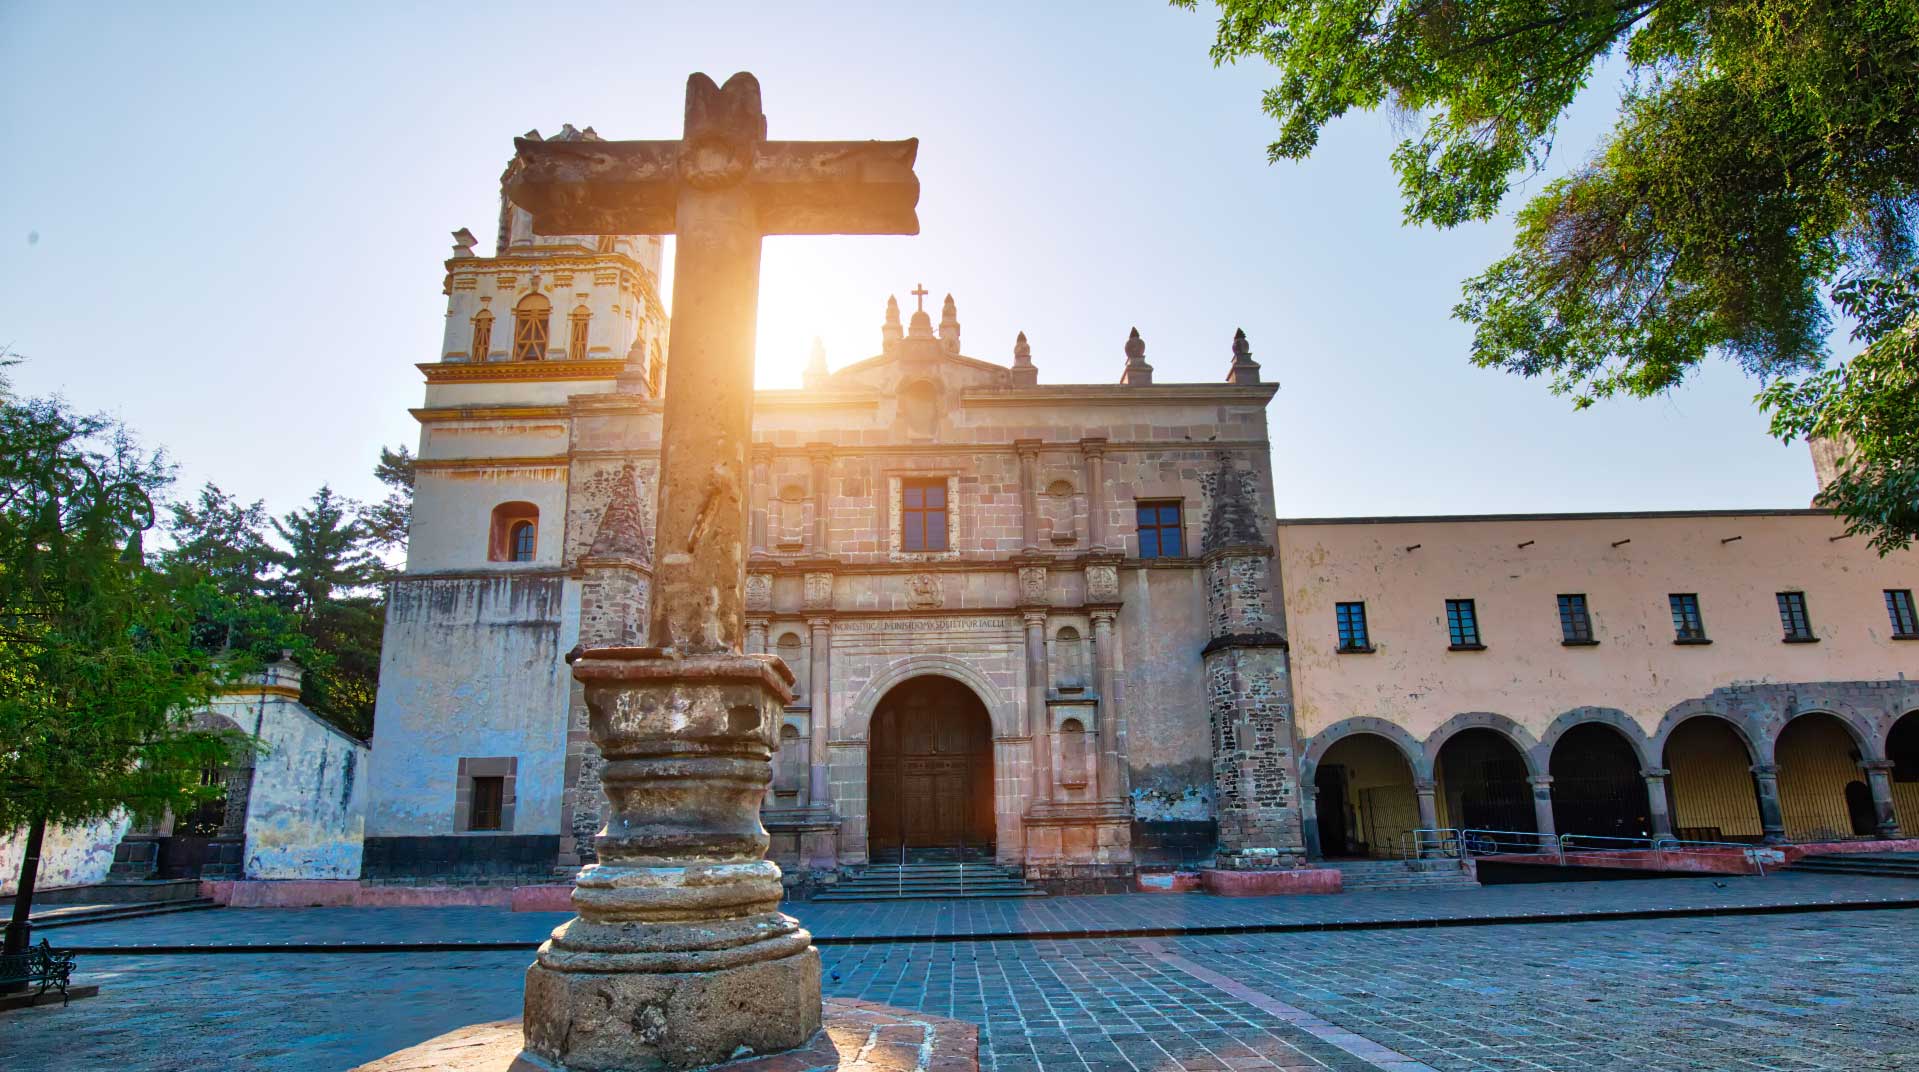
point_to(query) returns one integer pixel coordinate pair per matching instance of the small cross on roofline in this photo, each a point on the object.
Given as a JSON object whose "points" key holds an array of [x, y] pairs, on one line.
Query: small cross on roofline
{"points": [[919, 293]]}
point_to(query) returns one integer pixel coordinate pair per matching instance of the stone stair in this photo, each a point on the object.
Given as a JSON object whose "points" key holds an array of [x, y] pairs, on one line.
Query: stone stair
{"points": [[1876, 864], [1365, 876], [74, 915], [930, 881]]}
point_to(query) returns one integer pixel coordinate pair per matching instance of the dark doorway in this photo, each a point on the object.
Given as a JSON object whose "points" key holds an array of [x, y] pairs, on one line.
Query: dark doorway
{"points": [[1482, 778], [1859, 809], [930, 772], [1597, 787], [1335, 839]]}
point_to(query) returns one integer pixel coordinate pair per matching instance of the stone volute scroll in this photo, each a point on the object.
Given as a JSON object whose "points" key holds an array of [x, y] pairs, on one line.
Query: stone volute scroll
{"points": [[680, 957]]}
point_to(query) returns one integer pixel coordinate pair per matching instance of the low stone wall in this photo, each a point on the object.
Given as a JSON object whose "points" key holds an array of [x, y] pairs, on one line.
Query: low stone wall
{"points": [[348, 893], [1270, 883]]}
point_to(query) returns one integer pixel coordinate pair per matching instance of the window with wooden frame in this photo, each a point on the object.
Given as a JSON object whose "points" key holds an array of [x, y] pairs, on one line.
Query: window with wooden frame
{"points": [[1162, 532], [1905, 626], [530, 320], [483, 799], [1575, 623], [489, 803], [923, 514], [1462, 625], [1793, 618], [521, 540], [1351, 618], [1687, 626], [482, 336], [514, 535], [576, 334]]}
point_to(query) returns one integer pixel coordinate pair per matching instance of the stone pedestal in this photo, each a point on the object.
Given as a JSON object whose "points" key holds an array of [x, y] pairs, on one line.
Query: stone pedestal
{"points": [[680, 956]]}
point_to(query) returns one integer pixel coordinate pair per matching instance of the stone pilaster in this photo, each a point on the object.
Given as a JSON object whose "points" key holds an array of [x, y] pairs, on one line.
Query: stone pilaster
{"points": [[1115, 776], [1028, 494], [1037, 716], [1656, 800], [1095, 452], [762, 494], [819, 678], [821, 457], [1427, 792], [1542, 785], [1879, 780], [1772, 817]]}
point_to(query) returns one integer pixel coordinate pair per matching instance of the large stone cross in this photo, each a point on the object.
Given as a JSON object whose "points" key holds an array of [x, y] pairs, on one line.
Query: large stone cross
{"points": [[720, 189]]}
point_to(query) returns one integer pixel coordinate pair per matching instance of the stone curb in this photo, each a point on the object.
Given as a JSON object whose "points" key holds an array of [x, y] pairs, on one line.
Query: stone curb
{"points": [[1064, 935]]}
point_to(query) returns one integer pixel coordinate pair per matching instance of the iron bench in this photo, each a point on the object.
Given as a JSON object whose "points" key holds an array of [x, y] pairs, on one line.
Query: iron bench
{"points": [[39, 964]]}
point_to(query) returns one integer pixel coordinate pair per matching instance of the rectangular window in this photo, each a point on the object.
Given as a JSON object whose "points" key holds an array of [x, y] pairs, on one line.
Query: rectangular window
{"points": [[576, 342], [1352, 627], [1899, 608], [1792, 618], [482, 337], [1575, 625], [529, 337], [1687, 626], [923, 515], [489, 803], [1161, 534], [1462, 625]]}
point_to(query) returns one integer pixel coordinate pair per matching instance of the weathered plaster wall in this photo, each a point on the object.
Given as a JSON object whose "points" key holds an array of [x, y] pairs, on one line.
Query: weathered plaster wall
{"points": [[306, 813], [1405, 569], [69, 855], [471, 667], [1162, 629], [453, 514]]}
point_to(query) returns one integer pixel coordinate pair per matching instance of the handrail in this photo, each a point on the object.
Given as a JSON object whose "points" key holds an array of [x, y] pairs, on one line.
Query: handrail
{"points": [[1754, 854]]}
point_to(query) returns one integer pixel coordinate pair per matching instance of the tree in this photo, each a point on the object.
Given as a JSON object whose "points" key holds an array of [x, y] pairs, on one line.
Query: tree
{"points": [[222, 561], [1765, 156], [387, 521], [326, 579], [98, 674]]}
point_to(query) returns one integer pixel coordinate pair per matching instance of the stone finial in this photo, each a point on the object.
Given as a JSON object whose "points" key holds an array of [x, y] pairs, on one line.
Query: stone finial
{"points": [[622, 533], [463, 243], [890, 333], [1138, 373], [1025, 374], [815, 374], [1244, 368], [569, 133], [949, 327]]}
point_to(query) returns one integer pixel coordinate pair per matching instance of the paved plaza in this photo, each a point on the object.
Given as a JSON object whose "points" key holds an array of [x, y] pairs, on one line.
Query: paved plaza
{"points": [[1806, 989]]}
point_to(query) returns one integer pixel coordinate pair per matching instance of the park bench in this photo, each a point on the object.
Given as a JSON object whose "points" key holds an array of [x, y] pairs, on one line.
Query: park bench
{"points": [[39, 964]]}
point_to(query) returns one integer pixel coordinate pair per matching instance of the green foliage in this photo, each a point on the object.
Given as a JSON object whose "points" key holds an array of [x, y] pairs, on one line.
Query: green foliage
{"points": [[1766, 152], [326, 575], [98, 674], [387, 521]]}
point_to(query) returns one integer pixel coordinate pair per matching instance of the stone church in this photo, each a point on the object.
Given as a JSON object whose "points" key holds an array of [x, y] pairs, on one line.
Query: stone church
{"points": [[1031, 622], [1047, 623]]}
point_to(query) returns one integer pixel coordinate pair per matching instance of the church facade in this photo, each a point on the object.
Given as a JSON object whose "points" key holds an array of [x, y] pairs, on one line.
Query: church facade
{"points": [[1049, 623]]}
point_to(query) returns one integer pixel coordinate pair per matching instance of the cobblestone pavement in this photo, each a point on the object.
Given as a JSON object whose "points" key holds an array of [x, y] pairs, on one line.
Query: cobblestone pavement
{"points": [[1814, 991], [1051, 915]]}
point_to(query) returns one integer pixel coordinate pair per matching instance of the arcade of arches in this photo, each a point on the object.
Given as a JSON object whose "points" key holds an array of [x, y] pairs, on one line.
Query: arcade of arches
{"points": [[1712, 787]]}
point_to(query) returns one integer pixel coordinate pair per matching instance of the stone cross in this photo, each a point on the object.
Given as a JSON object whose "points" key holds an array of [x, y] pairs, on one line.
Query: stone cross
{"points": [[720, 189]]}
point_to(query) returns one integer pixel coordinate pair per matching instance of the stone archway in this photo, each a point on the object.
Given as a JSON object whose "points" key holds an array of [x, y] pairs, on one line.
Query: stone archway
{"points": [[1365, 800], [1598, 787], [929, 772], [1709, 784], [1818, 755], [1483, 782]]}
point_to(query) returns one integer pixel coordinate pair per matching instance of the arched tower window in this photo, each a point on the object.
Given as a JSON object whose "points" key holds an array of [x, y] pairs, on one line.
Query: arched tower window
{"points": [[514, 535], [482, 336], [530, 319], [576, 337]]}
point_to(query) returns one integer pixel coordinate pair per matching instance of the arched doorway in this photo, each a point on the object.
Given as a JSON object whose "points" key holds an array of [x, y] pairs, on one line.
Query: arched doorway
{"points": [[1818, 758], [1597, 787], [1902, 748], [1709, 790], [1482, 783], [930, 772], [1365, 800]]}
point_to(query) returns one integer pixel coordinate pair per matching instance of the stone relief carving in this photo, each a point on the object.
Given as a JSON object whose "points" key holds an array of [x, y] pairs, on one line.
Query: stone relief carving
{"points": [[923, 591], [1032, 584], [759, 591], [819, 591], [1102, 583]]}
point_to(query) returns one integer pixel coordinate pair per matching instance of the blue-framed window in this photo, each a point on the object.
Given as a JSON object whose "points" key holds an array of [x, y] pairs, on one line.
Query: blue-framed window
{"points": [[1462, 624], [1793, 618], [1899, 608], [524, 535], [1687, 626], [1352, 627], [1161, 533], [1575, 624]]}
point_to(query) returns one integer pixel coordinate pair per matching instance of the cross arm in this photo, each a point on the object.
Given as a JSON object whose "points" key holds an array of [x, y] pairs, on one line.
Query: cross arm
{"points": [[596, 187], [837, 187]]}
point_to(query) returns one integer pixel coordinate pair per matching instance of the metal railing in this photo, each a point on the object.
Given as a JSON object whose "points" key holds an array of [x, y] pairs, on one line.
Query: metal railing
{"points": [[1452, 843]]}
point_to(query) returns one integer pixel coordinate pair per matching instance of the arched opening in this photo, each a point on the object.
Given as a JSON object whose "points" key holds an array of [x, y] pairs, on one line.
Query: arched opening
{"points": [[1818, 758], [514, 534], [787, 647], [1074, 771], [1709, 787], [930, 772], [1482, 783], [1069, 661], [576, 336], [209, 839], [482, 336], [1365, 800], [1902, 748], [530, 321], [1598, 789], [789, 767]]}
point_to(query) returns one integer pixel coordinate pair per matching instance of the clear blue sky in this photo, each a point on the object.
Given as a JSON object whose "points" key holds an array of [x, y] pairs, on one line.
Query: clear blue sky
{"points": [[226, 225]]}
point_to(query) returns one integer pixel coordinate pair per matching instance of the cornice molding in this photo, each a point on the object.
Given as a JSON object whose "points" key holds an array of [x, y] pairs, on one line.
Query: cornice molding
{"points": [[1119, 394], [242, 693], [541, 461], [438, 372], [443, 414]]}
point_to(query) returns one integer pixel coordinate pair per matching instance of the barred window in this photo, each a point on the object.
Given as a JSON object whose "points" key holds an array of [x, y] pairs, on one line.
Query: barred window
{"points": [[1792, 617], [1352, 627], [1687, 626], [1462, 624], [1575, 625], [1899, 609]]}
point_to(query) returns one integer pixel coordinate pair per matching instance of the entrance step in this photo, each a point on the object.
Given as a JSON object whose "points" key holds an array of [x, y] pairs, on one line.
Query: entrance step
{"points": [[1364, 876], [1881, 864], [930, 882], [74, 915]]}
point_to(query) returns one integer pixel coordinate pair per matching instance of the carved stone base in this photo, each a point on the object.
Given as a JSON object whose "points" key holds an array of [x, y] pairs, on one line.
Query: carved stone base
{"points": [[630, 1021]]}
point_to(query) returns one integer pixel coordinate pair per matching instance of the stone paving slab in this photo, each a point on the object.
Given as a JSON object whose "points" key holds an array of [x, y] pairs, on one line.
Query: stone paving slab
{"points": [[1816, 992], [1113, 915]]}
